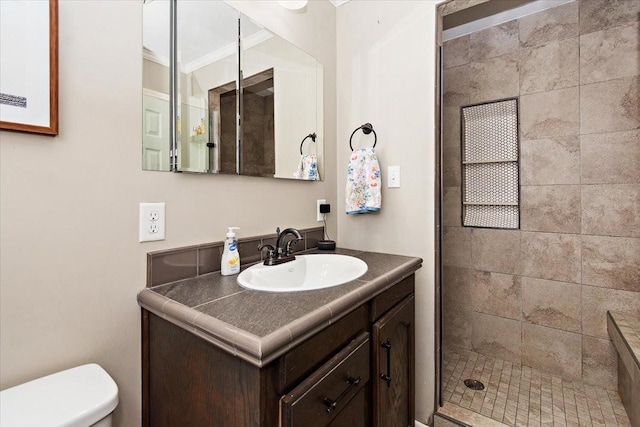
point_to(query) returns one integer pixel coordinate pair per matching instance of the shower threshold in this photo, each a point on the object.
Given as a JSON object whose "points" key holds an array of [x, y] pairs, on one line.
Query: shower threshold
{"points": [[516, 395]]}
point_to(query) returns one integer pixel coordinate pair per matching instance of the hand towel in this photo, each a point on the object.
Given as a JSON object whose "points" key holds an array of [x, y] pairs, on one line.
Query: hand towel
{"points": [[363, 182], [307, 168]]}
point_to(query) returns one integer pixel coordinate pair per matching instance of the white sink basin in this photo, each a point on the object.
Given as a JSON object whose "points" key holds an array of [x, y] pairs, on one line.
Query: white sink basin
{"points": [[305, 273]]}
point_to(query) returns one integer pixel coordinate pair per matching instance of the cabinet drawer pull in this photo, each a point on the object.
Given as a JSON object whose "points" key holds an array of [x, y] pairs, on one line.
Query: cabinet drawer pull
{"points": [[332, 404], [387, 377]]}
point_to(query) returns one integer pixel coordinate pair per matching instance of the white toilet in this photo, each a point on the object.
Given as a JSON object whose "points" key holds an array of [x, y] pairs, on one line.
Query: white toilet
{"points": [[78, 397]]}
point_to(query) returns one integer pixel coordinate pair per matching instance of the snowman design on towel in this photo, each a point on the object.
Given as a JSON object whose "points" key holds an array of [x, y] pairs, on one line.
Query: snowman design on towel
{"points": [[363, 182]]}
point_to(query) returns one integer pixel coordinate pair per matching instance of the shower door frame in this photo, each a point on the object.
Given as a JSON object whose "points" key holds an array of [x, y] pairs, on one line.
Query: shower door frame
{"points": [[443, 9]]}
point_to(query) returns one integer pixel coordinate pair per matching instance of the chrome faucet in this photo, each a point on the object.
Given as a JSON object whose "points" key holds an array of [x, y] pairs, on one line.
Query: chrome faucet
{"points": [[282, 252]]}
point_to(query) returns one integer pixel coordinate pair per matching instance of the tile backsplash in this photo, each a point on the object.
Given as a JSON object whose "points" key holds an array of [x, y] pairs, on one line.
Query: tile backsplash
{"points": [[191, 261]]}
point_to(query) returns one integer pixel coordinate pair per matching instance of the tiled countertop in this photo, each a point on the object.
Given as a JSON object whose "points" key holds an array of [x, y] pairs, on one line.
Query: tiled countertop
{"points": [[260, 326]]}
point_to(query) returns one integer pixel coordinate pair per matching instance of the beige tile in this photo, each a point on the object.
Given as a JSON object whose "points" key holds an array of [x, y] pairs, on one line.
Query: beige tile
{"points": [[456, 246], [451, 169], [599, 362], [595, 303], [495, 293], [495, 250], [596, 15], [553, 24], [610, 54], [455, 52], [611, 158], [456, 288], [611, 210], [451, 166], [471, 418], [550, 303], [550, 161], [451, 207], [496, 337], [488, 85], [635, 409], [440, 421], [551, 256], [456, 308], [554, 208], [552, 350], [610, 106], [454, 6], [548, 67], [455, 86], [550, 114], [494, 41], [611, 262]]}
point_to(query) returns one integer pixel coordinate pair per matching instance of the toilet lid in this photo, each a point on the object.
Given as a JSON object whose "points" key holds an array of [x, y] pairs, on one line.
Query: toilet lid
{"points": [[77, 397]]}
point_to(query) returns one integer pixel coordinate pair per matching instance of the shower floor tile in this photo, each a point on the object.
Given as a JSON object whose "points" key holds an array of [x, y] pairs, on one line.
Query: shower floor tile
{"points": [[517, 395]]}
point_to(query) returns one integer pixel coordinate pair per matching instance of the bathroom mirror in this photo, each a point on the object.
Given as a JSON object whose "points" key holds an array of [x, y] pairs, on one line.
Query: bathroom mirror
{"points": [[207, 72], [221, 54], [156, 139], [282, 104]]}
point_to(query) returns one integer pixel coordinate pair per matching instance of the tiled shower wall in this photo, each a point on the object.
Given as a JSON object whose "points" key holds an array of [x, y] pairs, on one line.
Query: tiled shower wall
{"points": [[539, 295]]}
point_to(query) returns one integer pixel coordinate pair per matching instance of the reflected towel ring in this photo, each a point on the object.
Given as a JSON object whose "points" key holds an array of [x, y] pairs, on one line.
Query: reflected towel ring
{"points": [[313, 137], [367, 128]]}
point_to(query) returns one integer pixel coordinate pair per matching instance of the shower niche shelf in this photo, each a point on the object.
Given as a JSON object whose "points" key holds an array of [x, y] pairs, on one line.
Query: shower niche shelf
{"points": [[490, 165]]}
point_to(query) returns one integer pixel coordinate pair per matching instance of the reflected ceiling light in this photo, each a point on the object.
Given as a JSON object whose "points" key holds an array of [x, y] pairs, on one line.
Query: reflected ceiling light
{"points": [[293, 4]]}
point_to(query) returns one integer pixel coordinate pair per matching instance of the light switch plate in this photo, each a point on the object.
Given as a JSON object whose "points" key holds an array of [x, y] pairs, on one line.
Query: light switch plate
{"points": [[151, 222], [393, 176]]}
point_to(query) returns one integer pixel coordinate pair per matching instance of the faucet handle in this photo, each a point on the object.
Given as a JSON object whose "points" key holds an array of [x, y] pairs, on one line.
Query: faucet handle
{"points": [[270, 249], [288, 246], [271, 253]]}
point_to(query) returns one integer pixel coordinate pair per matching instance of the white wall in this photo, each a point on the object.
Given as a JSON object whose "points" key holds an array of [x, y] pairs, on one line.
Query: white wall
{"points": [[70, 262], [386, 76]]}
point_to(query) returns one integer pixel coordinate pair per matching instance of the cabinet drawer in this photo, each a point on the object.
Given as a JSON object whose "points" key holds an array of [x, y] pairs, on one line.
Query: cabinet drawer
{"points": [[308, 356], [327, 391]]}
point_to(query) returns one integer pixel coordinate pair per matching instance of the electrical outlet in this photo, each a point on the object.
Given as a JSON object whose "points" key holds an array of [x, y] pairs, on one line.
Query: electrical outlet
{"points": [[151, 222], [320, 216]]}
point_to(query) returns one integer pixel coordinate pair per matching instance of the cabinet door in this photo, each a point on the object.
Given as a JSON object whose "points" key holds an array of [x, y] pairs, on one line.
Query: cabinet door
{"points": [[393, 353]]}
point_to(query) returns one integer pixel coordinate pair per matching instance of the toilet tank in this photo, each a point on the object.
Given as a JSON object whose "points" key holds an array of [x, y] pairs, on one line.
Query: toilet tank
{"points": [[77, 397]]}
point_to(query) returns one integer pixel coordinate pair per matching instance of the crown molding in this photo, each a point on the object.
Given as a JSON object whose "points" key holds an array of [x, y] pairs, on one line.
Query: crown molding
{"points": [[154, 57], [230, 49]]}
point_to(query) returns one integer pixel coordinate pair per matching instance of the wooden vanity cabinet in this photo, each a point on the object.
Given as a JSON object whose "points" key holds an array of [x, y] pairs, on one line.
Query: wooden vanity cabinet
{"points": [[337, 377]]}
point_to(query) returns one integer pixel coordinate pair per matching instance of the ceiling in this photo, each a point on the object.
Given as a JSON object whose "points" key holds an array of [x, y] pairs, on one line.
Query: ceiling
{"points": [[206, 29]]}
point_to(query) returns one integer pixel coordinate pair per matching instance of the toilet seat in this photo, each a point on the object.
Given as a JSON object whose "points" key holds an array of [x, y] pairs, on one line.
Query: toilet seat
{"points": [[77, 397]]}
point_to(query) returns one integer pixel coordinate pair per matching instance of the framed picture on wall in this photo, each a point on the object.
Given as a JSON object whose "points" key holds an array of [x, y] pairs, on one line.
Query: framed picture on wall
{"points": [[29, 66]]}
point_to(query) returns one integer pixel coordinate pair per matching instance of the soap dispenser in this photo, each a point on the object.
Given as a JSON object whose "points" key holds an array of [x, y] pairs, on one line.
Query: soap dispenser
{"points": [[230, 263]]}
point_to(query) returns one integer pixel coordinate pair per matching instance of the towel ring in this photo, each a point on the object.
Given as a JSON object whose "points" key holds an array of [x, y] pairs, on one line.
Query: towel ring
{"points": [[313, 137], [367, 128]]}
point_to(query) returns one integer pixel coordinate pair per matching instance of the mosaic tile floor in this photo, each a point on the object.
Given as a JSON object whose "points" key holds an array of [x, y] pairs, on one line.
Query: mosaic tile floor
{"points": [[517, 395]]}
